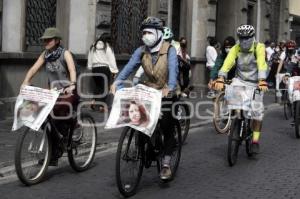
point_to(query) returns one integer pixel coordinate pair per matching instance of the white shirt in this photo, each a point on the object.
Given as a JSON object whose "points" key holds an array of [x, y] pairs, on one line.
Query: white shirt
{"points": [[100, 57], [269, 51], [211, 56]]}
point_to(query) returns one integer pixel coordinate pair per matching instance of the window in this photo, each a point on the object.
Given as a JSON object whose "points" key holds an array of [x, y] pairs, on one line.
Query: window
{"points": [[127, 16], [40, 14]]}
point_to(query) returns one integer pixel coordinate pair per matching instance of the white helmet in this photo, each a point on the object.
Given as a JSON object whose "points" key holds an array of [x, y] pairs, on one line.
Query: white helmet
{"points": [[245, 31]]}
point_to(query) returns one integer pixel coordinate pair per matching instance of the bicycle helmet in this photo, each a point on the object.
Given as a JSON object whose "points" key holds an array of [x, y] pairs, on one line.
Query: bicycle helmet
{"points": [[291, 44], [152, 22], [168, 34], [245, 31]]}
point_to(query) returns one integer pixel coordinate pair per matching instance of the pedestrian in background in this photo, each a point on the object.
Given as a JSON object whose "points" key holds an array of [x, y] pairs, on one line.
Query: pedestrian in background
{"points": [[102, 63], [211, 56]]}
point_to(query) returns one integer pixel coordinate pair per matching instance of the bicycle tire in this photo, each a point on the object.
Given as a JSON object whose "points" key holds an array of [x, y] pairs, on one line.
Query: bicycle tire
{"points": [[248, 140], [287, 106], [234, 142], [217, 119], [130, 135], [297, 119], [79, 138], [35, 148], [184, 120]]}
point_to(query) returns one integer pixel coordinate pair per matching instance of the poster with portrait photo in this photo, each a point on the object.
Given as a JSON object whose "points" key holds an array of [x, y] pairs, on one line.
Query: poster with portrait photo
{"points": [[137, 107], [32, 107]]}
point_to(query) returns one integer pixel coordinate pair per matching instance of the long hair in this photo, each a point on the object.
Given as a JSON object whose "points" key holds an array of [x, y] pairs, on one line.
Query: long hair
{"points": [[142, 110], [105, 38]]}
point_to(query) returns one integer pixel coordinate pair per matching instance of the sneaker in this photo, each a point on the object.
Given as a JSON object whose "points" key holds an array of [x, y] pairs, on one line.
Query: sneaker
{"points": [[183, 94], [165, 173], [255, 148]]}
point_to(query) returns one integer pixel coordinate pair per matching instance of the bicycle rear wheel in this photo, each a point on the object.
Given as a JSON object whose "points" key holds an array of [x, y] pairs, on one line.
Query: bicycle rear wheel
{"points": [[183, 116], [221, 119], [234, 142], [82, 150], [32, 155], [297, 119], [129, 161]]}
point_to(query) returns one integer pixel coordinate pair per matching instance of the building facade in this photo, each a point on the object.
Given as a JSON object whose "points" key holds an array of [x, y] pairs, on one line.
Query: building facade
{"points": [[22, 22]]}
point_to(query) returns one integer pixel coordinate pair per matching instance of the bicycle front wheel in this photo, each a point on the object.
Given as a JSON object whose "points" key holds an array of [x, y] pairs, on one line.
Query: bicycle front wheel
{"points": [[129, 161], [287, 106], [83, 143], [234, 142], [32, 155], [221, 119]]}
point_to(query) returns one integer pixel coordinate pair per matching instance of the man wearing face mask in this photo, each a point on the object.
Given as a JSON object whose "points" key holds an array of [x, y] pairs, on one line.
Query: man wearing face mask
{"points": [[228, 43], [159, 61], [251, 70]]}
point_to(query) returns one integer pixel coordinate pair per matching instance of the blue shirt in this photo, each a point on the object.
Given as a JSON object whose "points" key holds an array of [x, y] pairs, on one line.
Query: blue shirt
{"points": [[135, 62]]}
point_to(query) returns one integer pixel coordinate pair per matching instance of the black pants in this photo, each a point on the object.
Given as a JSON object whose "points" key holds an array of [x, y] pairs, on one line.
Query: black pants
{"points": [[103, 80], [168, 125], [184, 82]]}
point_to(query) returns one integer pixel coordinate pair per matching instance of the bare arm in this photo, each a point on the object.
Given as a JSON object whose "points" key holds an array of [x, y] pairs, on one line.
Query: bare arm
{"points": [[279, 66], [34, 69], [71, 66]]}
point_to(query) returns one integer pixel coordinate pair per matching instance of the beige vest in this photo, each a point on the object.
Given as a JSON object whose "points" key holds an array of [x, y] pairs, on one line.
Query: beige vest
{"points": [[157, 75]]}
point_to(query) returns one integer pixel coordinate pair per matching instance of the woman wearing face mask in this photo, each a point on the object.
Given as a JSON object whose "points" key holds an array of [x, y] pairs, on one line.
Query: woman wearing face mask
{"points": [[288, 64], [159, 61], [227, 45], [251, 71], [184, 66]]}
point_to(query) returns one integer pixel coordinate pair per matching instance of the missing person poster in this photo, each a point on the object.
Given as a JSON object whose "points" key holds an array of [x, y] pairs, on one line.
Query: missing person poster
{"points": [[137, 107], [32, 107]]}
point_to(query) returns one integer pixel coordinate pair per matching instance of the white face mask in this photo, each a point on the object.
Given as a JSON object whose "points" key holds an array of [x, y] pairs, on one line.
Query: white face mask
{"points": [[149, 39], [227, 50]]}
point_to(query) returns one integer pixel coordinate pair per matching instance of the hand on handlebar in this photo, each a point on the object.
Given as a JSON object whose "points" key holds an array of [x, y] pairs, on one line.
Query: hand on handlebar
{"points": [[263, 85], [219, 84]]}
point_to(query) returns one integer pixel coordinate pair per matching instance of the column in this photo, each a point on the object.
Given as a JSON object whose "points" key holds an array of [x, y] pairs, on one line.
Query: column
{"points": [[13, 25], [80, 30]]}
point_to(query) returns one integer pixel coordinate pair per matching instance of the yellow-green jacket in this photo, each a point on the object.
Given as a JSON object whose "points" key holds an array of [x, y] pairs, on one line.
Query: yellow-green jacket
{"points": [[251, 66]]}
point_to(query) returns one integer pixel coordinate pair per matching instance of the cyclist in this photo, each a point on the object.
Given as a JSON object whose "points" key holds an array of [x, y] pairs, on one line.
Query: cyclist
{"points": [[251, 69], [159, 61], [228, 43], [289, 60], [168, 36], [61, 73]]}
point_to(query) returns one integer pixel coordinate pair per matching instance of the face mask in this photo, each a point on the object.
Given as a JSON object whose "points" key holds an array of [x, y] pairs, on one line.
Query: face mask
{"points": [[183, 45], [246, 44], [149, 39], [277, 49], [227, 50]]}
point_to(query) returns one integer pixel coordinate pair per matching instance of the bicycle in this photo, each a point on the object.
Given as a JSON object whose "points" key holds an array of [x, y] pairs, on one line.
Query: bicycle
{"points": [[239, 131], [34, 148], [222, 116], [137, 151]]}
